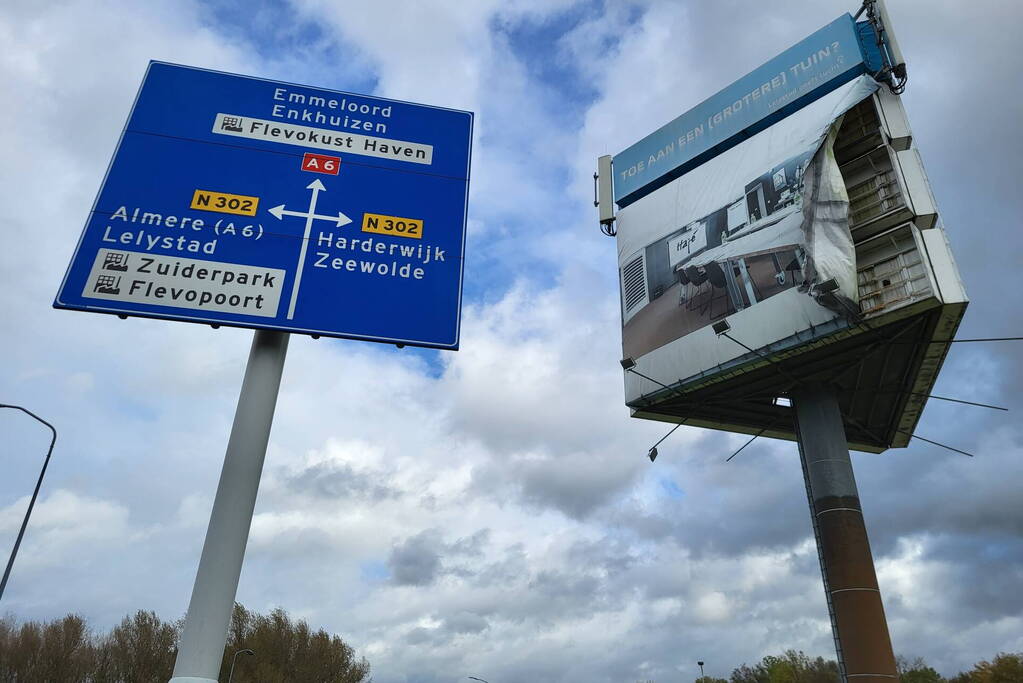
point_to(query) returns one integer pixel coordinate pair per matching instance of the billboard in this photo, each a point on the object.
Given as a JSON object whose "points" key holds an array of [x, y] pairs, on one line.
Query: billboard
{"points": [[801, 244], [241, 201]]}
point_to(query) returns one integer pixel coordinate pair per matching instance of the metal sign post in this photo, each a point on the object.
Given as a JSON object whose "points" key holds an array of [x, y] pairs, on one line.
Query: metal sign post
{"points": [[216, 582], [862, 642], [233, 200]]}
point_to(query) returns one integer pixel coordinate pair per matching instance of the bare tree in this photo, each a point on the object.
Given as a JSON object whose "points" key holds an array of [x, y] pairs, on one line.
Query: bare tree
{"points": [[141, 648], [60, 651], [288, 651]]}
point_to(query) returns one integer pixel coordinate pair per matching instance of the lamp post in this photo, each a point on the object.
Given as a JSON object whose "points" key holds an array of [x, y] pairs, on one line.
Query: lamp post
{"points": [[701, 668], [234, 660], [35, 493]]}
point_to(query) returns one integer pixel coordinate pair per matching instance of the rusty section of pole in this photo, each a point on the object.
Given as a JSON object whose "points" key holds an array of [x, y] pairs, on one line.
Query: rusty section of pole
{"points": [[861, 629]]}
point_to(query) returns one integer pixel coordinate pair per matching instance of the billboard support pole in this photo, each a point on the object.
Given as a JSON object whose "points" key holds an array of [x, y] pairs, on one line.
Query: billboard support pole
{"points": [[862, 642], [209, 612]]}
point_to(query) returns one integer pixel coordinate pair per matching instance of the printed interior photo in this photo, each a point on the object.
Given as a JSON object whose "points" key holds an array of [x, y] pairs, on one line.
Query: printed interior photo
{"points": [[740, 254]]}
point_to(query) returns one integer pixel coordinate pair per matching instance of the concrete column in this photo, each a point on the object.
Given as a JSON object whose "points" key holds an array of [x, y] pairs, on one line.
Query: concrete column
{"points": [[861, 630]]}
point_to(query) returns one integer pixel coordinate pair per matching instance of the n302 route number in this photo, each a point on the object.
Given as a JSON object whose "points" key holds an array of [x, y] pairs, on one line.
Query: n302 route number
{"points": [[392, 225], [221, 202]]}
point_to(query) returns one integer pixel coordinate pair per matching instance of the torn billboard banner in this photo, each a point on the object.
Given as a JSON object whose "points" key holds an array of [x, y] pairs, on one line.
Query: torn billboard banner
{"points": [[750, 235]]}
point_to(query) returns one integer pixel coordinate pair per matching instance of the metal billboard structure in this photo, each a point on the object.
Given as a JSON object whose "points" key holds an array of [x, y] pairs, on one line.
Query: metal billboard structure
{"points": [[784, 273], [880, 337], [703, 245]]}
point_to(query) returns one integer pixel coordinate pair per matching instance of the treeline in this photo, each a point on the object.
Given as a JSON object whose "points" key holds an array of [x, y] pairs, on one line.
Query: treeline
{"points": [[796, 667], [142, 648]]}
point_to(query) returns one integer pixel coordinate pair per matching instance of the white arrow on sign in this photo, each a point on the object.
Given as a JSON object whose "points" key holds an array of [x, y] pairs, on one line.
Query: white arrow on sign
{"points": [[279, 212]]}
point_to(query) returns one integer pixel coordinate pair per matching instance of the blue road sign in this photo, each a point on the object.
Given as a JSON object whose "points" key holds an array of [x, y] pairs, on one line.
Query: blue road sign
{"points": [[240, 201]]}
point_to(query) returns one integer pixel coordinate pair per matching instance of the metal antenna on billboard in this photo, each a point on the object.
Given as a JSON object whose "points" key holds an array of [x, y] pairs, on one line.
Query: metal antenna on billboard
{"points": [[893, 70], [603, 190]]}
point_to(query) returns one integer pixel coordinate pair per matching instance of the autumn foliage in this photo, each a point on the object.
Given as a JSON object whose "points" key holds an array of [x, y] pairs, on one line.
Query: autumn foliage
{"points": [[142, 648]]}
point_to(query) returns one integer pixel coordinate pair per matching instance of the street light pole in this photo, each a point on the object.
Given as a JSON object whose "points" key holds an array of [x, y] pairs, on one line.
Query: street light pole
{"points": [[478, 679], [35, 494], [234, 660], [701, 669]]}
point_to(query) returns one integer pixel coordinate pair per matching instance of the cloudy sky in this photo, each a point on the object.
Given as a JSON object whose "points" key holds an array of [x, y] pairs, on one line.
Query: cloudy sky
{"points": [[491, 511]]}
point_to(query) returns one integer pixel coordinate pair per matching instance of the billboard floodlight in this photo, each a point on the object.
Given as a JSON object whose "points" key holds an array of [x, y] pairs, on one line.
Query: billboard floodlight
{"points": [[627, 363]]}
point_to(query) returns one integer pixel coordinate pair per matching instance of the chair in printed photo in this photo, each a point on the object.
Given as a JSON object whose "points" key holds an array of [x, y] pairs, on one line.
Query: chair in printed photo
{"points": [[683, 284], [698, 278], [716, 276]]}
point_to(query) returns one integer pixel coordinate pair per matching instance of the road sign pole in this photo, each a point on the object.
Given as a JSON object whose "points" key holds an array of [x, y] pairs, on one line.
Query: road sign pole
{"points": [[862, 642], [216, 582]]}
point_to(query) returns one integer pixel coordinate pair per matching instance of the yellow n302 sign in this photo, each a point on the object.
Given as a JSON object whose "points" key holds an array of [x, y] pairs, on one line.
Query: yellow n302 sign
{"points": [[221, 202], [392, 225]]}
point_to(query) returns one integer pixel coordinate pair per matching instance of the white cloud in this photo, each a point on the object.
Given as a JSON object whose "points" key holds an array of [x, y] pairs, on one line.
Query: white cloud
{"points": [[66, 525], [713, 607], [489, 510]]}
